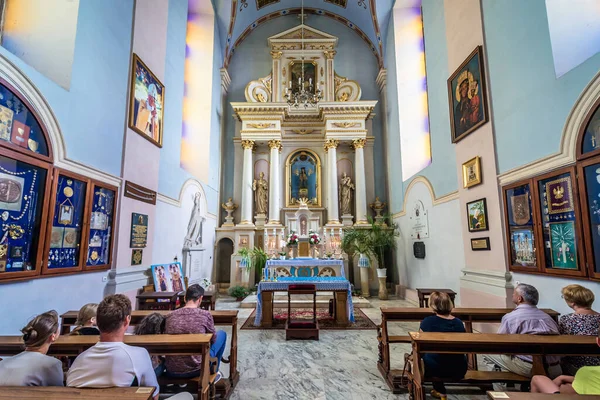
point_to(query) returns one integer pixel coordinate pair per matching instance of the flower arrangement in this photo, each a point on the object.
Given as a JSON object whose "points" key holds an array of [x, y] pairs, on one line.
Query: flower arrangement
{"points": [[292, 239], [205, 283], [314, 238]]}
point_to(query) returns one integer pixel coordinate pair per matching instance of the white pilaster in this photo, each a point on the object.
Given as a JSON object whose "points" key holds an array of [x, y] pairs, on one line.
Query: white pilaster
{"points": [[276, 74], [330, 90], [246, 217], [274, 183], [332, 186], [360, 193]]}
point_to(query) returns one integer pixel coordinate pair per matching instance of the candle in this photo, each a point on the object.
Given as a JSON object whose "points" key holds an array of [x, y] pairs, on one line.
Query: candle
{"points": [[290, 83], [299, 81], [310, 81]]}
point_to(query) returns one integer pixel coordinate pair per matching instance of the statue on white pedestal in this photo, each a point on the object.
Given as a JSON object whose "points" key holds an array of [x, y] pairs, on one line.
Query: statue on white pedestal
{"points": [[194, 232], [346, 188], [261, 194]]}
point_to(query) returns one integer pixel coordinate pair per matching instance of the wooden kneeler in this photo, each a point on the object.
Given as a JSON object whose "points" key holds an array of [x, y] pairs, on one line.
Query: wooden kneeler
{"points": [[302, 329]]}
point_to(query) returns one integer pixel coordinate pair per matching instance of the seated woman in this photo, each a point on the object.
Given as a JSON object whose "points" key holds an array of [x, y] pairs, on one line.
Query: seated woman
{"points": [[86, 321], [585, 381], [584, 321], [33, 367], [452, 366], [153, 324]]}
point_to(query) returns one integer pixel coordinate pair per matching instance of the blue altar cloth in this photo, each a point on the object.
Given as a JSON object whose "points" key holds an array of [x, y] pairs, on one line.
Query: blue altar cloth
{"points": [[304, 263], [323, 284]]}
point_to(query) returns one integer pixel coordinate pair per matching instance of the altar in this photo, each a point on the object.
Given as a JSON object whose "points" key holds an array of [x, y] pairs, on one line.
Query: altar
{"points": [[304, 268]]}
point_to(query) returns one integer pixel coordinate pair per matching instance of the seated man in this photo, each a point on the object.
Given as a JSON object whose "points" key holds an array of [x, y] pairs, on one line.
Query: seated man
{"points": [[110, 362], [526, 318], [585, 381], [192, 319]]}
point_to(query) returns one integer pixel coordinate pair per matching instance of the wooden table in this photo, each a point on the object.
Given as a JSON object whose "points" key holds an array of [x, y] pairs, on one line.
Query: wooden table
{"points": [[425, 293], [66, 393], [150, 300], [540, 396], [340, 310], [170, 345], [220, 317], [468, 315], [537, 346]]}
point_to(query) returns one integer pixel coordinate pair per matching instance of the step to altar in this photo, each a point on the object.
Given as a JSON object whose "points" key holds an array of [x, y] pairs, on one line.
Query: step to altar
{"points": [[280, 300]]}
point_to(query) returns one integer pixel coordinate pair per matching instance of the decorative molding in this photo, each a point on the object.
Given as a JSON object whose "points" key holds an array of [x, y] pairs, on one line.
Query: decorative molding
{"points": [[139, 193], [568, 143], [487, 281], [346, 125], [330, 54], [276, 54], [128, 278], [261, 125], [435, 200], [303, 131]]}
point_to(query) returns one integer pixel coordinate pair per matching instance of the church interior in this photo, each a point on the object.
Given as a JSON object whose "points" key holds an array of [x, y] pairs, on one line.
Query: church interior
{"points": [[357, 199]]}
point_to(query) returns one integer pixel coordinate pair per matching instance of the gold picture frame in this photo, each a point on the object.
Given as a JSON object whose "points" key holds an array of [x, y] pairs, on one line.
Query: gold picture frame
{"points": [[289, 201], [471, 171]]}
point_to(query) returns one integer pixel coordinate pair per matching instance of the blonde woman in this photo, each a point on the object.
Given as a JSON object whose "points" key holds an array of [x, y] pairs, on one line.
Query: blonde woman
{"points": [[33, 367], [86, 320]]}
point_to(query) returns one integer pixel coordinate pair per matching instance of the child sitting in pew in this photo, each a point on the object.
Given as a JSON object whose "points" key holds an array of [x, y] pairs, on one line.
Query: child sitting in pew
{"points": [[153, 324], [86, 321], [33, 367], [585, 381]]}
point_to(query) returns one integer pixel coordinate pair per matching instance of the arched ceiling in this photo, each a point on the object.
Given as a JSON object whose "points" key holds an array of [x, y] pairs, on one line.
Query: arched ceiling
{"points": [[238, 18]]}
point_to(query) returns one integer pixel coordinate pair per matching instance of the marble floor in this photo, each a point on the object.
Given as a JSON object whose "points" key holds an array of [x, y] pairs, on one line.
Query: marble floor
{"points": [[341, 365]]}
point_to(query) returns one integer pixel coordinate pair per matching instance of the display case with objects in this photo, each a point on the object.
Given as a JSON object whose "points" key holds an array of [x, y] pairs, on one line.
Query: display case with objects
{"points": [[101, 226]]}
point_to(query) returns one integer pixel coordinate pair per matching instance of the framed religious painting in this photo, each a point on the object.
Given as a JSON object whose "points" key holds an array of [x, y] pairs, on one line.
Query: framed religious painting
{"points": [[519, 218], [467, 96], [477, 219], [472, 172], [146, 102]]}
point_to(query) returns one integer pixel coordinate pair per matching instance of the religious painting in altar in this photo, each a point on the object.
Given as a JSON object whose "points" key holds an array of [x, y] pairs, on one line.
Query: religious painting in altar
{"points": [[310, 75], [303, 174], [146, 105], [467, 96], [101, 227], [22, 189]]}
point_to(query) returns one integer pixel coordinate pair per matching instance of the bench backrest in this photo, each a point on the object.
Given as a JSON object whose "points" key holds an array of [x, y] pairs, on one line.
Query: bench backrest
{"points": [[68, 393], [490, 315]]}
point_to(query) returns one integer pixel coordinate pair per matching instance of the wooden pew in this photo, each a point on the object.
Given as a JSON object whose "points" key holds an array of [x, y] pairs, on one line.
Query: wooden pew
{"points": [[220, 317], [65, 393], [540, 396], [468, 315], [173, 345], [537, 346]]}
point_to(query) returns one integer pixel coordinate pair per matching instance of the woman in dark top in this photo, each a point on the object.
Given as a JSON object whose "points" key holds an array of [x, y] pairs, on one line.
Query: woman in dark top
{"points": [[453, 366], [86, 321]]}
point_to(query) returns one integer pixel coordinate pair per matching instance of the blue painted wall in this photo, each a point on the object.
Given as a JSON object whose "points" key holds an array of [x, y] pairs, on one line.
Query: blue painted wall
{"points": [[171, 175], [252, 60], [530, 106], [92, 113]]}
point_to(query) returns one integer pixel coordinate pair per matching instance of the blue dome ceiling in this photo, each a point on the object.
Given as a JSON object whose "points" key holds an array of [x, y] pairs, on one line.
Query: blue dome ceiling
{"points": [[238, 18]]}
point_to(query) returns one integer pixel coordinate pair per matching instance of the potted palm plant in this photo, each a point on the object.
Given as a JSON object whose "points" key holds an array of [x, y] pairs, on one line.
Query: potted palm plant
{"points": [[383, 238], [358, 240], [259, 260]]}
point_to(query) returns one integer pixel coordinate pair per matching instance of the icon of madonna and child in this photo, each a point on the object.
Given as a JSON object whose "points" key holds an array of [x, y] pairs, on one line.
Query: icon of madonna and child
{"points": [[303, 178]]}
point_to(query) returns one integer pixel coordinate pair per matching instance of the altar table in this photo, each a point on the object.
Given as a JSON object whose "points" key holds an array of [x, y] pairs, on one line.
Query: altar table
{"points": [[305, 267], [344, 310]]}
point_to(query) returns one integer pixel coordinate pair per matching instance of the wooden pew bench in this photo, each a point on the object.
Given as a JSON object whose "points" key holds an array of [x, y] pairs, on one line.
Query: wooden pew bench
{"points": [[537, 346], [469, 316], [175, 345], [540, 396], [65, 393], [220, 317]]}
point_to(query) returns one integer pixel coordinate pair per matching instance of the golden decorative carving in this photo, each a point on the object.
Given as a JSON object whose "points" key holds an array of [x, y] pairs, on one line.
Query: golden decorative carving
{"points": [[261, 125], [331, 144], [358, 143], [284, 71], [330, 54], [274, 144], [248, 144], [303, 131], [322, 71], [276, 54], [343, 97], [346, 125]]}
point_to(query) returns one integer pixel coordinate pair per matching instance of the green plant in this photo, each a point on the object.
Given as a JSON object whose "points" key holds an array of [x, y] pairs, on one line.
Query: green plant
{"points": [[282, 253], [383, 237], [357, 240], [246, 255], [259, 259], [239, 292]]}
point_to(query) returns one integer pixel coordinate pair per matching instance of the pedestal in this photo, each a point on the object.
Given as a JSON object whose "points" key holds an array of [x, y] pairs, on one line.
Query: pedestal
{"points": [[245, 277], [347, 220], [192, 265], [380, 220], [383, 294], [364, 282], [228, 221], [260, 220]]}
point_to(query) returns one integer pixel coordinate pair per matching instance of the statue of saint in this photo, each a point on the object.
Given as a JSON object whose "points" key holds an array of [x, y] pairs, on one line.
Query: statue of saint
{"points": [[346, 188], [303, 179], [261, 190], [194, 231]]}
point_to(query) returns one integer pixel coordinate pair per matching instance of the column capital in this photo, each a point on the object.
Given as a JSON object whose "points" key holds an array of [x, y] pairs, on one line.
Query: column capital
{"points": [[274, 144], [358, 143], [329, 54], [331, 144], [248, 144], [276, 54]]}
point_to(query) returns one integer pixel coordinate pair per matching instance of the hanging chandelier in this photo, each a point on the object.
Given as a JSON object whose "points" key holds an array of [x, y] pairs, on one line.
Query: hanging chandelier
{"points": [[305, 94]]}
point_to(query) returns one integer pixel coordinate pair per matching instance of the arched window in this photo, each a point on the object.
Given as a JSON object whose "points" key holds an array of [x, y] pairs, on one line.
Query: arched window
{"points": [[52, 220]]}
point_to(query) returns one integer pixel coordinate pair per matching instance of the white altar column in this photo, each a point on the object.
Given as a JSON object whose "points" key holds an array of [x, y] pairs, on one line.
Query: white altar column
{"points": [[246, 218], [360, 194], [274, 183], [332, 184]]}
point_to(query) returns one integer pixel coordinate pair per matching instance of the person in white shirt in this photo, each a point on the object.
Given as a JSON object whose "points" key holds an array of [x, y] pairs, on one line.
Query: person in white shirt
{"points": [[111, 362], [33, 367]]}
